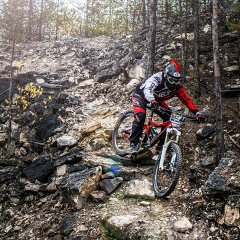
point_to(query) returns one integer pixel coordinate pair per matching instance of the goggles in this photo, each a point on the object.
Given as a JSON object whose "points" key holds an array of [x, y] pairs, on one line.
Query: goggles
{"points": [[173, 80]]}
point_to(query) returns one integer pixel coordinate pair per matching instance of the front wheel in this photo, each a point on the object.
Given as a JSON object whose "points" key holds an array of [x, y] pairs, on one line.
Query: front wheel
{"points": [[165, 180], [122, 132]]}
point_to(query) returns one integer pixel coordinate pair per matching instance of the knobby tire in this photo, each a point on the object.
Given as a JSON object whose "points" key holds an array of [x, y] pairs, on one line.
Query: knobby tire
{"points": [[165, 181], [119, 141]]}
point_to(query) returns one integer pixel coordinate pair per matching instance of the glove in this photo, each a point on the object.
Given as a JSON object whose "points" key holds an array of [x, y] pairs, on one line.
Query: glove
{"points": [[154, 104], [200, 117]]}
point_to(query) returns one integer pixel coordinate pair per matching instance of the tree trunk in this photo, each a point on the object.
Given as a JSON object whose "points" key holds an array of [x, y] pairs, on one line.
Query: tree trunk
{"points": [[151, 37], [167, 9], [56, 29], [196, 48], [143, 14], [219, 118], [86, 34], [30, 18], [41, 22], [11, 78], [185, 41], [181, 28]]}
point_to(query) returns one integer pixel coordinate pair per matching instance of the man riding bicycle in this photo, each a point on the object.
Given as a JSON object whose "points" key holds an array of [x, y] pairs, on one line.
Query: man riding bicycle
{"points": [[155, 90]]}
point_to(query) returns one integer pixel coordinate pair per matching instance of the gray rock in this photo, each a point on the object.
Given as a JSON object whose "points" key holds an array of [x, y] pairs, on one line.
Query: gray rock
{"points": [[98, 196], [225, 177], [126, 219], [77, 186], [141, 189], [67, 224], [40, 169], [66, 141], [9, 173], [182, 225], [205, 132], [109, 185]]}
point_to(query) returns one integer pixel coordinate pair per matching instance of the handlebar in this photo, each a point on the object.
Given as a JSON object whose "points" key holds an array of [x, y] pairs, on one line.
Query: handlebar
{"points": [[168, 112]]}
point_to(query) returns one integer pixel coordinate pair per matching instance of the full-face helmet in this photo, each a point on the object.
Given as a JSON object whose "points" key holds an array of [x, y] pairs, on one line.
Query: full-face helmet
{"points": [[173, 74]]}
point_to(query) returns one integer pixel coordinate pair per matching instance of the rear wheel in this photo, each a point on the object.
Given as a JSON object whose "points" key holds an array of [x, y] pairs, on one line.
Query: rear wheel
{"points": [[165, 180], [122, 132]]}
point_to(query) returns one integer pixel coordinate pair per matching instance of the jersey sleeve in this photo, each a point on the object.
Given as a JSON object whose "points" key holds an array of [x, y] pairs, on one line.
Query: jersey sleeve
{"points": [[163, 104], [149, 87], [186, 100]]}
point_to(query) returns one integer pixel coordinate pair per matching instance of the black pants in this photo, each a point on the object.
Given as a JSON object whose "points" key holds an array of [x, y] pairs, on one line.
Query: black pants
{"points": [[139, 107]]}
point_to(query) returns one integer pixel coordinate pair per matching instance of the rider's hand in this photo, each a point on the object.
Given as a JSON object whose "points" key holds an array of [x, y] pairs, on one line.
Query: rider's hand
{"points": [[200, 117], [154, 104]]}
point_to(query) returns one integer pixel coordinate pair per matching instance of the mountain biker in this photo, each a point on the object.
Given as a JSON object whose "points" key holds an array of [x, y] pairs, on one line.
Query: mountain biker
{"points": [[155, 90]]}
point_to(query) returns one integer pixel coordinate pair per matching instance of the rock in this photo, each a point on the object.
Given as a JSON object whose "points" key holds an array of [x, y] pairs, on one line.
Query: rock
{"points": [[46, 126], [108, 175], [40, 169], [107, 74], [231, 215], [95, 145], [120, 224], [225, 177], [205, 132], [11, 149], [67, 225], [125, 219], [3, 138], [66, 141], [98, 196], [209, 160], [32, 187], [231, 68], [130, 173], [74, 155], [9, 173], [136, 72], [86, 83], [109, 185], [77, 186], [141, 189], [90, 128], [182, 225]]}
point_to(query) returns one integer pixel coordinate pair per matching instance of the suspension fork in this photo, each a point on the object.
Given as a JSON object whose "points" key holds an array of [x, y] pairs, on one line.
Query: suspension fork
{"points": [[170, 129], [166, 145]]}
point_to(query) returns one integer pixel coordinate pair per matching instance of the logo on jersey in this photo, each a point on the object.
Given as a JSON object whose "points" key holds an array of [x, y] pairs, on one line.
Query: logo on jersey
{"points": [[164, 93]]}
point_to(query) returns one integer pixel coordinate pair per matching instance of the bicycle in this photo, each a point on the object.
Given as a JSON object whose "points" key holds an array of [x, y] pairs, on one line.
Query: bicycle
{"points": [[169, 162]]}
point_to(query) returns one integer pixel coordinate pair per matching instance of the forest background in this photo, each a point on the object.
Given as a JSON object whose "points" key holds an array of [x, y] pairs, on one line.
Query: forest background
{"points": [[47, 20]]}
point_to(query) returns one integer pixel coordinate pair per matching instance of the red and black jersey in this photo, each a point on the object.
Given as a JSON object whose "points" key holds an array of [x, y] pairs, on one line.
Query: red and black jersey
{"points": [[155, 88]]}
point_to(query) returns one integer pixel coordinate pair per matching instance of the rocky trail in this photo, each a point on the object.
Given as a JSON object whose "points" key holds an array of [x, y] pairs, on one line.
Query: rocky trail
{"points": [[59, 176]]}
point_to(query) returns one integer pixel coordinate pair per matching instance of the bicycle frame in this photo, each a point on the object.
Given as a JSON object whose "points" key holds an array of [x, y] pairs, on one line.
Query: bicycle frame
{"points": [[158, 125], [168, 128]]}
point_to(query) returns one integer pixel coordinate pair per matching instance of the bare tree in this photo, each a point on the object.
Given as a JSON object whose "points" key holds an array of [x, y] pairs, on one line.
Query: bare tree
{"points": [[30, 19], [167, 9], [151, 36], [219, 117], [41, 22], [13, 35], [196, 47], [185, 39], [143, 14], [57, 22]]}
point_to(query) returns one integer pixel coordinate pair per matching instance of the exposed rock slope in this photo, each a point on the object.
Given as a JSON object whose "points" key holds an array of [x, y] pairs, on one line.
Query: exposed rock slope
{"points": [[59, 175]]}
